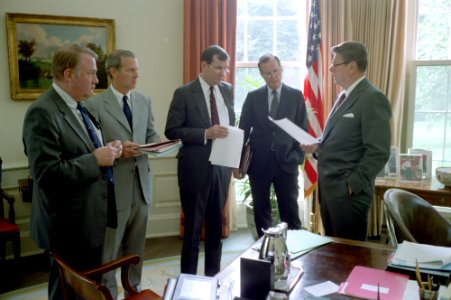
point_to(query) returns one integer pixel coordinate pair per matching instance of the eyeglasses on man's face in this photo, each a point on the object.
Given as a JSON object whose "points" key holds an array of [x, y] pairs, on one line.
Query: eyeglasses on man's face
{"points": [[219, 69], [334, 65]]}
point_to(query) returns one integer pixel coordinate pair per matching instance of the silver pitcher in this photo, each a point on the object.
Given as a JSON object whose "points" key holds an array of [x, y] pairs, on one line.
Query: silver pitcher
{"points": [[274, 249]]}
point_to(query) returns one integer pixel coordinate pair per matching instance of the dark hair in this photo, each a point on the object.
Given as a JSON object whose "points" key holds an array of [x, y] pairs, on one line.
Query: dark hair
{"points": [[68, 57], [214, 50], [114, 59], [353, 51], [266, 57]]}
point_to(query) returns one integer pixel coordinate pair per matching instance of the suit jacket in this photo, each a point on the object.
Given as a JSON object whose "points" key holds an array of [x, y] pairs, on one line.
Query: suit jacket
{"points": [[187, 120], [69, 195], [355, 143], [260, 130], [107, 110]]}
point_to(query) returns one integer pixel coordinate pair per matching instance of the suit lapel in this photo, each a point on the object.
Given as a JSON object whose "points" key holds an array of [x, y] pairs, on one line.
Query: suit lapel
{"points": [[349, 102], [199, 101], [71, 120], [115, 110]]}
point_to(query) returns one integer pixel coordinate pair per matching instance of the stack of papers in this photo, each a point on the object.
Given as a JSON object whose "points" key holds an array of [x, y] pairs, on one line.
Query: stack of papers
{"points": [[299, 242], [160, 149], [428, 256]]}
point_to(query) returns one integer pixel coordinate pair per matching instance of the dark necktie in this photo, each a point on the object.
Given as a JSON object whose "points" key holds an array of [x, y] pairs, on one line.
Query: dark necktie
{"points": [[213, 108], [274, 104], [111, 208], [338, 103], [127, 111]]}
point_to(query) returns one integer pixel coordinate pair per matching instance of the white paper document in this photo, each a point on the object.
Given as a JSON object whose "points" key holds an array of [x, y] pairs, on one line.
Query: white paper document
{"points": [[428, 256], [295, 131], [227, 151]]}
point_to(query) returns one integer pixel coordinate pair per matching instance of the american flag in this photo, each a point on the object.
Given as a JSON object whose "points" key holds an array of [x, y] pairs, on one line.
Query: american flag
{"points": [[312, 92]]}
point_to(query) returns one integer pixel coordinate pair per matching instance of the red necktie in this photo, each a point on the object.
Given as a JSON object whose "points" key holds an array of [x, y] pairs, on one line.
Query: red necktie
{"points": [[338, 103], [213, 108]]}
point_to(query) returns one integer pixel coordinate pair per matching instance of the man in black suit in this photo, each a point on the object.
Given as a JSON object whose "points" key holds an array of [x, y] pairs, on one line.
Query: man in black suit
{"points": [[276, 156], [199, 113], [69, 210]]}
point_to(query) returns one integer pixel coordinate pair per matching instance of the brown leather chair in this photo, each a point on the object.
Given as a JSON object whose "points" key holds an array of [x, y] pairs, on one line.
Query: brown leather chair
{"points": [[85, 283], [411, 218], [9, 231]]}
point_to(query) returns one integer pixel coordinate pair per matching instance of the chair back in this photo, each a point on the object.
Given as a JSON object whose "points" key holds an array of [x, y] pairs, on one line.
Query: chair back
{"points": [[81, 285], [411, 218]]}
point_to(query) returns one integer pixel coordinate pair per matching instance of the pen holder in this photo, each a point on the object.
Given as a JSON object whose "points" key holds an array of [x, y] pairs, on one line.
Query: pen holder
{"points": [[426, 294]]}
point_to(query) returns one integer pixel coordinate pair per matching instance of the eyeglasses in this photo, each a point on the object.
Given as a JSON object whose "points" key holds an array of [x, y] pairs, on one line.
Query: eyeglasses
{"points": [[332, 65], [220, 69]]}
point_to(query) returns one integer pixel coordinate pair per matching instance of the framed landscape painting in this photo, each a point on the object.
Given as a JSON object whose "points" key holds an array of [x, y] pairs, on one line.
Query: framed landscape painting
{"points": [[33, 38]]}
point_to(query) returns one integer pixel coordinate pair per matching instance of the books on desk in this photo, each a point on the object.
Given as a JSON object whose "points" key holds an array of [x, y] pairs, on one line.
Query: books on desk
{"points": [[367, 283], [161, 149]]}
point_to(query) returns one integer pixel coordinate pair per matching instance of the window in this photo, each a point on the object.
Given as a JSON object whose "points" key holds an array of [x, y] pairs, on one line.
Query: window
{"points": [[430, 113], [275, 26]]}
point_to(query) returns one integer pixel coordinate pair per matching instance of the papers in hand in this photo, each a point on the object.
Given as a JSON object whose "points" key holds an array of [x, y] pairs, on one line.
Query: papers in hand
{"points": [[163, 147], [428, 256], [227, 151], [296, 132]]}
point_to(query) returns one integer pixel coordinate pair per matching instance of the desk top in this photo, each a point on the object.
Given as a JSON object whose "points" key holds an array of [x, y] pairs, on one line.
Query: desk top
{"points": [[332, 262]]}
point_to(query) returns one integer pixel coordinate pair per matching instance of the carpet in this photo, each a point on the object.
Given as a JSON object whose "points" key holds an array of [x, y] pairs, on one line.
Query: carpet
{"points": [[155, 274]]}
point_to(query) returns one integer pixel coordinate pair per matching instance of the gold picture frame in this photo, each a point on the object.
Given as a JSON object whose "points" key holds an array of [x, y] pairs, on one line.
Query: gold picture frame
{"points": [[33, 38]]}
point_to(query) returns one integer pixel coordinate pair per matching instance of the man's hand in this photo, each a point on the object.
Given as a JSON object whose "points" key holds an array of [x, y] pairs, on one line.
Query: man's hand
{"points": [[309, 148], [216, 131], [236, 173], [130, 149], [106, 155], [118, 145]]}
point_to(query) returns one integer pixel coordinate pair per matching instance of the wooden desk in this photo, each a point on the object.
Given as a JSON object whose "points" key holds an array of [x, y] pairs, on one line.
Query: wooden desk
{"points": [[332, 262], [430, 190]]}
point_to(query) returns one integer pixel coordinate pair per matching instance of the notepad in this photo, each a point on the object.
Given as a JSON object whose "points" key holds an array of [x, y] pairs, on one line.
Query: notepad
{"points": [[364, 282]]}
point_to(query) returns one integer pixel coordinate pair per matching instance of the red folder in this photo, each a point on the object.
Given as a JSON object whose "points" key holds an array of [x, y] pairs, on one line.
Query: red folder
{"points": [[365, 282]]}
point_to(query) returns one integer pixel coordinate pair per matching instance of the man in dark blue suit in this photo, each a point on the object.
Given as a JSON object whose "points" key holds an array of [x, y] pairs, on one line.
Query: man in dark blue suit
{"points": [[69, 212], [276, 155], [199, 113]]}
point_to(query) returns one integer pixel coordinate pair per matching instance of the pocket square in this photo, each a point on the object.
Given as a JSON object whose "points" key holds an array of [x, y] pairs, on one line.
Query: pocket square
{"points": [[350, 115]]}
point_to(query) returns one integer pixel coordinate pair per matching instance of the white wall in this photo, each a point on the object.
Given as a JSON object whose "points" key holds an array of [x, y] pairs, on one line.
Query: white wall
{"points": [[154, 31]]}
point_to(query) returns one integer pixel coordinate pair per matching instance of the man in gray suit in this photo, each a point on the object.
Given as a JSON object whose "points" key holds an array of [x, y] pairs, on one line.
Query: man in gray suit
{"points": [[354, 146], [126, 115], [200, 112], [69, 209]]}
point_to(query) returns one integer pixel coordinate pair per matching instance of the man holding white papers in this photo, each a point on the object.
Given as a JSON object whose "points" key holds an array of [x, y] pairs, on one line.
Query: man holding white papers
{"points": [[200, 112], [276, 156], [354, 147]]}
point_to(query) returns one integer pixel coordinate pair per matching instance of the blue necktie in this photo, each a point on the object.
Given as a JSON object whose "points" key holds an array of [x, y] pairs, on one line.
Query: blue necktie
{"points": [[111, 208], [127, 111]]}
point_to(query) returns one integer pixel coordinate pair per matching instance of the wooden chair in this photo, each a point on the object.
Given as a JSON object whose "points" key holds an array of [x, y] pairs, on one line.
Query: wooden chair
{"points": [[411, 218], [9, 231], [85, 283]]}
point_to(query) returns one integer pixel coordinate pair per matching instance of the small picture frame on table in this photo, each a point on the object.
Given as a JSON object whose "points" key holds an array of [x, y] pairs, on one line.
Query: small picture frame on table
{"points": [[427, 161], [411, 167]]}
